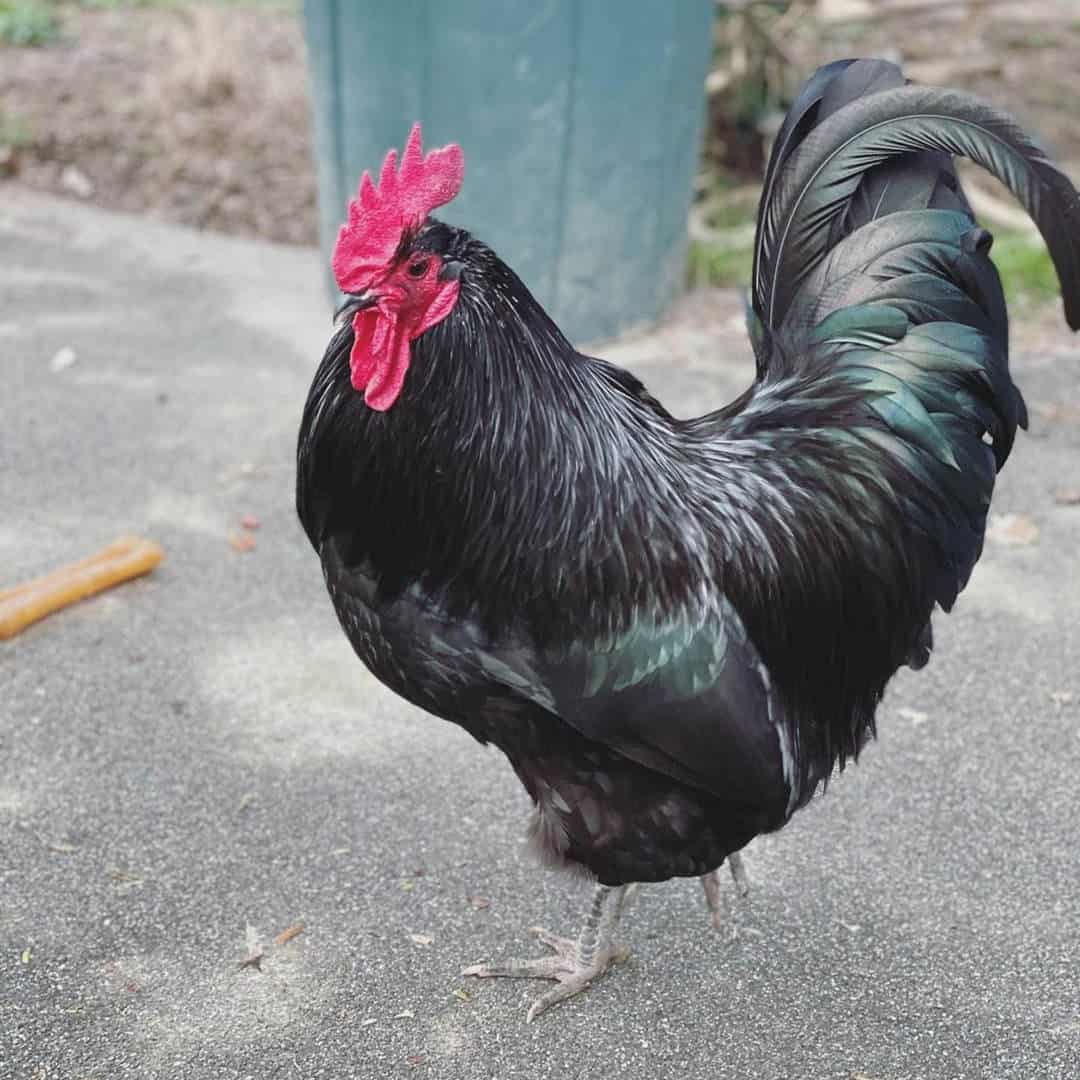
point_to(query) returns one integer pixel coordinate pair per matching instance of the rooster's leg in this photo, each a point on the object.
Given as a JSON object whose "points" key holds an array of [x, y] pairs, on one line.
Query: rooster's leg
{"points": [[738, 873], [711, 881], [574, 964]]}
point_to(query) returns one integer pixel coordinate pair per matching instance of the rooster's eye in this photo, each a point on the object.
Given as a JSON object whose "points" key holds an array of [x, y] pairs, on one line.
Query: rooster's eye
{"points": [[419, 268]]}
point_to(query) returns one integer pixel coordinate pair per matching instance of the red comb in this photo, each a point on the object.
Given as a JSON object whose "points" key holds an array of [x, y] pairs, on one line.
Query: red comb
{"points": [[379, 215]]}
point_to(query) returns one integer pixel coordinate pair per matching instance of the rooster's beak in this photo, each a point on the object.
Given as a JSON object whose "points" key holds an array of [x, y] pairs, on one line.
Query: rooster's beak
{"points": [[355, 302]]}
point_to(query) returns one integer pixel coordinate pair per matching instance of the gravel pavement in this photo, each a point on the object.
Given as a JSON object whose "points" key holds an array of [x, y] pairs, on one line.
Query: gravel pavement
{"points": [[194, 763]]}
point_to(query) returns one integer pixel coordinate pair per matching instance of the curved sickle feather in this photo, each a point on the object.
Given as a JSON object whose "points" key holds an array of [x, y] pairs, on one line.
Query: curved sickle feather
{"points": [[824, 171], [798, 121]]}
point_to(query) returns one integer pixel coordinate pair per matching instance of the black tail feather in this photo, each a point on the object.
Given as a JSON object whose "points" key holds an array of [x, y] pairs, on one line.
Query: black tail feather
{"points": [[816, 182]]}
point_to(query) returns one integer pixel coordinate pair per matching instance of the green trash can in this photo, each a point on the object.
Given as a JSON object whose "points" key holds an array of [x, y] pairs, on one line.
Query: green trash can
{"points": [[580, 121]]}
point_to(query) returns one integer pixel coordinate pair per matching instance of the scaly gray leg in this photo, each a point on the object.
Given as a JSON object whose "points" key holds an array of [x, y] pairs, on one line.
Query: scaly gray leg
{"points": [[574, 964], [711, 881], [738, 873]]}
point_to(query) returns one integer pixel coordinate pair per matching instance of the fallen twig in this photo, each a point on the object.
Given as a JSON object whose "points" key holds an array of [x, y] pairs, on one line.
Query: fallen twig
{"points": [[287, 935], [129, 557]]}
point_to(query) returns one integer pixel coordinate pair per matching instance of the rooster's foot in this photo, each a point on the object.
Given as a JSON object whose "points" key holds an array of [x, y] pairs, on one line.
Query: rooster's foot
{"points": [[574, 964], [711, 881]]}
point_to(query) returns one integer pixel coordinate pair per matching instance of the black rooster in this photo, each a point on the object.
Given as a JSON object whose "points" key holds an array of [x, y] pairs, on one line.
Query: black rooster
{"points": [[676, 629]]}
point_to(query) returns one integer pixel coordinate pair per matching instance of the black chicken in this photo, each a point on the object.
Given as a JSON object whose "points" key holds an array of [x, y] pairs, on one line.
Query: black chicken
{"points": [[676, 629]]}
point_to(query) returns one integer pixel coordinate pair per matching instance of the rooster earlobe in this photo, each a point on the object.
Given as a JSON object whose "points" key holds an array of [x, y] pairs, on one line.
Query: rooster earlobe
{"points": [[439, 308]]}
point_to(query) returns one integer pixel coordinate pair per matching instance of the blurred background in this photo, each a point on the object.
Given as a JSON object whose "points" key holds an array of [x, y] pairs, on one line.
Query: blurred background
{"points": [[199, 112]]}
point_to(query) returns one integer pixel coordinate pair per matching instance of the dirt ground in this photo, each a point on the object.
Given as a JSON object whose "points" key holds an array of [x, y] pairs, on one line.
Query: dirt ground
{"points": [[199, 114], [1023, 57]]}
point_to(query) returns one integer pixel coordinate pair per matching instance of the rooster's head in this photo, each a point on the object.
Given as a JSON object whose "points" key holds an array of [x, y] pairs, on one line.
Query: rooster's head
{"points": [[397, 285]]}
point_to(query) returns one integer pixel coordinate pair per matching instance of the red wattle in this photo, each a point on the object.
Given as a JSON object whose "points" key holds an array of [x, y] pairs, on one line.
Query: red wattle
{"points": [[390, 373], [379, 360], [439, 308], [362, 356]]}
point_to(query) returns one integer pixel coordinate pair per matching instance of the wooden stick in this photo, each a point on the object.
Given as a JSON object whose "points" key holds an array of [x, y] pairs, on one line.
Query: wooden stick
{"points": [[928, 7], [127, 558]]}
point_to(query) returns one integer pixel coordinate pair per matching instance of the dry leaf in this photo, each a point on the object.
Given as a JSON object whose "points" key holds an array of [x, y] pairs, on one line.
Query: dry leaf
{"points": [[249, 521], [242, 542], [75, 181], [124, 877], [462, 995], [480, 902], [254, 949], [1056, 411], [914, 715], [27, 955], [421, 939], [408, 886], [1067, 496], [1013, 530], [9, 160], [62, 359], [287, 935]]}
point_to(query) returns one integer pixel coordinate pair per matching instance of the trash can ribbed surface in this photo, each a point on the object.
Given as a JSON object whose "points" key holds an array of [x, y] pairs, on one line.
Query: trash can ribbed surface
{"points": [[580, 121]]}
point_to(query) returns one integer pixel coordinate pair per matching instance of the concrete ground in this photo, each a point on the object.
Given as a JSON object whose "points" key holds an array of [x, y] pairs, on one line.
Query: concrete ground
{"points": [[192, 764]]}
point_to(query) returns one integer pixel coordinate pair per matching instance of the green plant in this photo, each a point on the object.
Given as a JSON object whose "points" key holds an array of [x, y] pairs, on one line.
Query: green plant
{"points": [[1036, 39], [110, 4], [14, 131], [719, 265], [1027, 274], [28, 22], [270, 5], [722, 232]]}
